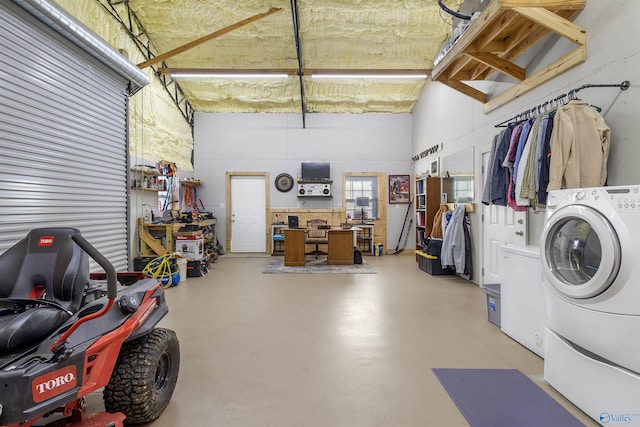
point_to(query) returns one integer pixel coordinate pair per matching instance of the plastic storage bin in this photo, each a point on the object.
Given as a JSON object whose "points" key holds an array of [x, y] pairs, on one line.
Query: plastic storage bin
{"points": [[378, 249], [139, 263], [197, 268], [492, 295], [431, 264]]}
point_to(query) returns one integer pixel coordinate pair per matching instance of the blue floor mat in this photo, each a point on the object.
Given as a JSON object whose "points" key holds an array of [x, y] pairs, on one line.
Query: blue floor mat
{"points": [[502, 398]]}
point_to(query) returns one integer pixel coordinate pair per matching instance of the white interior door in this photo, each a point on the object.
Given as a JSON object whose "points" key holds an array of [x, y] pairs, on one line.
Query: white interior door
{"points": [[248, 217], [500, 225]]}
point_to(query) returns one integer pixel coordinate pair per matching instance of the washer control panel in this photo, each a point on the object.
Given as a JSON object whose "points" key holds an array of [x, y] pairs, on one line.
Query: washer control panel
{"points": [[622, 198]]}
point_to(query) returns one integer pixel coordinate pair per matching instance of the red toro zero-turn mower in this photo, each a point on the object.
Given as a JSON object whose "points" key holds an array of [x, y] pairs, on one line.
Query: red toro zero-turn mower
{"points": [[63, 336]]}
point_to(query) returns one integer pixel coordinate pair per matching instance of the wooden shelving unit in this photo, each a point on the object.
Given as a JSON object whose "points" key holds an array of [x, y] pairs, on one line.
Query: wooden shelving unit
{"points": [[150, 233], [364, 238], [504, 31]]}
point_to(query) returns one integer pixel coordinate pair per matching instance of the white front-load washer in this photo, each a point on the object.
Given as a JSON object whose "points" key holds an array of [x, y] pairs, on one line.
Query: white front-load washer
{"points": [[591, 279]]}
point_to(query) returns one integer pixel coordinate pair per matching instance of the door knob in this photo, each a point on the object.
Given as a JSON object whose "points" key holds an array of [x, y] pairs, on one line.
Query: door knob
{"points": [[519, 233]]}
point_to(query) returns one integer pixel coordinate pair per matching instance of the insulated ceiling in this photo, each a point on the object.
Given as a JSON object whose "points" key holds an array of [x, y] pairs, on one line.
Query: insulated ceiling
{"points": [[352, 35]]}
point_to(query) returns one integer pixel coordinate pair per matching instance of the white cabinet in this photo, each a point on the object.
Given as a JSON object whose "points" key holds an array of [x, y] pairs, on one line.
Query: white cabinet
{"points": [[522, 296]]}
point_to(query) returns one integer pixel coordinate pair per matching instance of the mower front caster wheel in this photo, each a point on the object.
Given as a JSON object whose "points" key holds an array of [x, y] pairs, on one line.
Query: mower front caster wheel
{"points": [[144, 377]]}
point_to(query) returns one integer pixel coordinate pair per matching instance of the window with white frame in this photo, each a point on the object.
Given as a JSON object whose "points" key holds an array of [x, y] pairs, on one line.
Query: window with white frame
{"points": [[361, 196], [463, 189]]}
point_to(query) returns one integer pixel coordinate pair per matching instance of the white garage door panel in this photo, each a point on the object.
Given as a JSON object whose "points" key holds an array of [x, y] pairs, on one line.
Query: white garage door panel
{"points": [[63, 138]]}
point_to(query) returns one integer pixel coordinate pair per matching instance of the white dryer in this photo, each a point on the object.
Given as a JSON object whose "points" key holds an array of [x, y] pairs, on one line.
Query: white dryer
{"points": [[591, 279]]}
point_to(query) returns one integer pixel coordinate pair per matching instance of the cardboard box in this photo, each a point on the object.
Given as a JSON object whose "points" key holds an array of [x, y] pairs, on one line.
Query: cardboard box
{"points": [[190, 247]]}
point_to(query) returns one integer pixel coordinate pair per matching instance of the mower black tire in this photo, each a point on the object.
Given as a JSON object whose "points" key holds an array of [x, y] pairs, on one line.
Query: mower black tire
{"points": [[144, 377]]}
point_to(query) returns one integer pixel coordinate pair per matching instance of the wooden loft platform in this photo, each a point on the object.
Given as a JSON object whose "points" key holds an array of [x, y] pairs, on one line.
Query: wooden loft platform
{"points": [[505, 30]]}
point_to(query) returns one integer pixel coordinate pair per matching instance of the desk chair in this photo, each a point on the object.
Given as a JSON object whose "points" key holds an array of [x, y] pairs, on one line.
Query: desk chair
{"points": [[317, 234]]}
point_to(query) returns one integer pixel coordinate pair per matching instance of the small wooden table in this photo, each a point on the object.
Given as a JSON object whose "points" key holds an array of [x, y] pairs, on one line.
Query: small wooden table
{"points": [[149, 232], [294, 247], [340, 247]]}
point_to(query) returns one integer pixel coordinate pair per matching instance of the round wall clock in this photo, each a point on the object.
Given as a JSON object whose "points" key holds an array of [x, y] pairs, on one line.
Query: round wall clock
{"points": [[284, 182]]}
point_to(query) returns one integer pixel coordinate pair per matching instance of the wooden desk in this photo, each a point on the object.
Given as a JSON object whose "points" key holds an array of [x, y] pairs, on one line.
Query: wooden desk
{"points": [[340, 247], [294, 247]]}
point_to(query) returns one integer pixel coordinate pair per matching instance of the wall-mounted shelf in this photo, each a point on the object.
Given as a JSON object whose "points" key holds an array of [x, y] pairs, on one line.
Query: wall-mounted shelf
{"points": [[468, 207], [505, 30], [146, 189], [315, 181], [146, 170], [193, 182]]}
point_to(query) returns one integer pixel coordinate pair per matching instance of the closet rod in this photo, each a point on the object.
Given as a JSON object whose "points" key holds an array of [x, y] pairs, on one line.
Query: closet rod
{"points": [[570, 95]]}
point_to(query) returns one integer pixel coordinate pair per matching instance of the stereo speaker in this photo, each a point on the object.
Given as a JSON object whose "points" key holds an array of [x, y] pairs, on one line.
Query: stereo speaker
{"points": [[314, 190]]}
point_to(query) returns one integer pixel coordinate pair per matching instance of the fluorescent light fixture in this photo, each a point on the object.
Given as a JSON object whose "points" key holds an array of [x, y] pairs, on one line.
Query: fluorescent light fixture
{"points": [[227, 76], [371, 76]]}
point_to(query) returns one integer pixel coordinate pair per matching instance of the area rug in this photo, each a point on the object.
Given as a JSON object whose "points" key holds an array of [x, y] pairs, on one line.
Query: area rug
{"points": [[318, 266], [502, 397]]}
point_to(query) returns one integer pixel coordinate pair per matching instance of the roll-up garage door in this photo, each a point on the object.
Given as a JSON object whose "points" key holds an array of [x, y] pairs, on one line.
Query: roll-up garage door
{"points": [[63, 138]]}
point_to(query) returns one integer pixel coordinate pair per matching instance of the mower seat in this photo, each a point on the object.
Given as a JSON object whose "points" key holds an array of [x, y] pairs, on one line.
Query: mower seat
{"points": [[46, 264]]}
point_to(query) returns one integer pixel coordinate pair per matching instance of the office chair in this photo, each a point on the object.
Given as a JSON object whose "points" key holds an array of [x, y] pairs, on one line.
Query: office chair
{"points": [[317, 234]]}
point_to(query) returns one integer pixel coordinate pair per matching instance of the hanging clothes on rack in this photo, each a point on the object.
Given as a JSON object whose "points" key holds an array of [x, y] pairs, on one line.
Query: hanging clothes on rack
{"points": [[433, 243], [468, 245], [500, 181], [542, 150], [579, 147], [453, 251], [521, 176], [437, 229], [528, 196], [544, 158], [514, 164], [497, 179], [486, 192]]}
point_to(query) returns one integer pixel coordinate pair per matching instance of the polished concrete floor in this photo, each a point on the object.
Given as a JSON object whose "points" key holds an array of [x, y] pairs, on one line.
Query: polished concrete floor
{"points": [[338, 350]]}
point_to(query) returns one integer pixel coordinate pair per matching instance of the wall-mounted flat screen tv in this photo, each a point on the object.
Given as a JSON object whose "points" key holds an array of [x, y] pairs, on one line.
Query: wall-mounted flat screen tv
{"points": [[315, 170]]}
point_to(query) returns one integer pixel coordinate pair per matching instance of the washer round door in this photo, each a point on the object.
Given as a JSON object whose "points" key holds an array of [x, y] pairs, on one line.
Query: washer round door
{"points": [[581, 256]]}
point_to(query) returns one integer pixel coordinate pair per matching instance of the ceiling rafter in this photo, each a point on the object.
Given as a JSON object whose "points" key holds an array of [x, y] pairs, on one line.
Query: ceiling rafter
{"points": [[295, 17], [334, 40], [206, 38], [294, 71]]}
